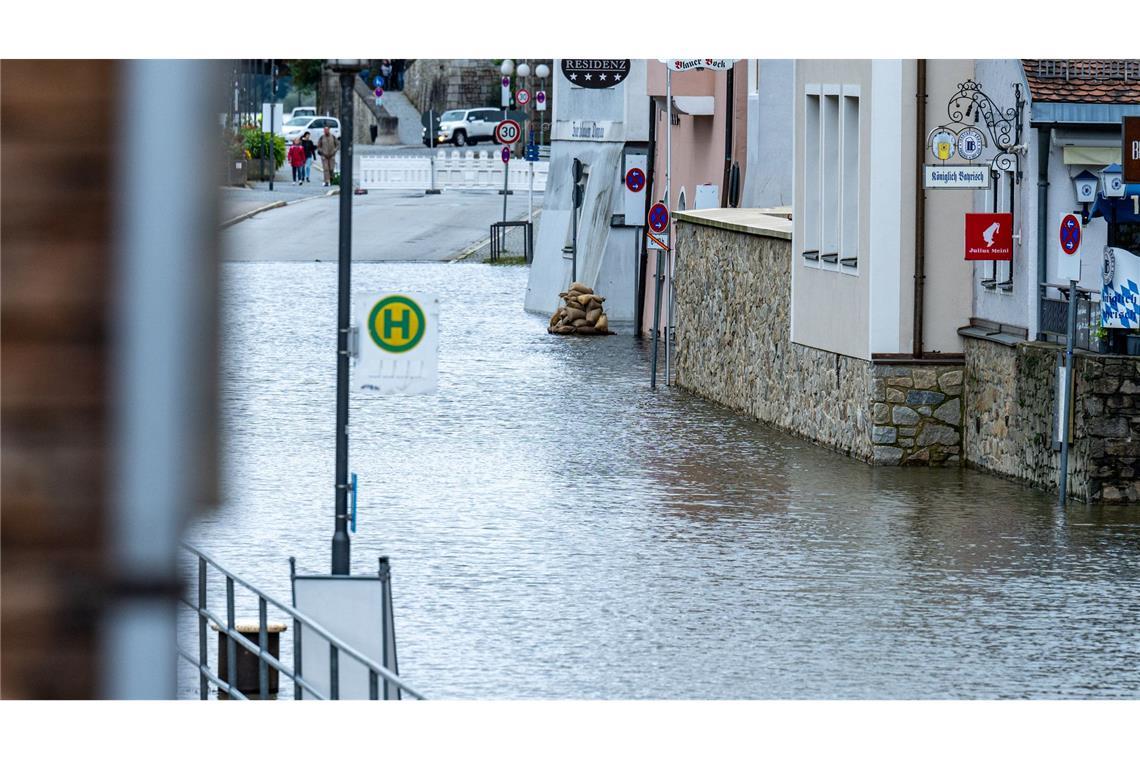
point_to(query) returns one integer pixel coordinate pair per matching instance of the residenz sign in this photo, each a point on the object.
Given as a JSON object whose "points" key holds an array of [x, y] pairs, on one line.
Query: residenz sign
{"points": [[595, 73]]}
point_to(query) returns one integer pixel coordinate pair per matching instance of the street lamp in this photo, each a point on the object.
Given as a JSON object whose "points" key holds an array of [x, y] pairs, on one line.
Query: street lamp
{"points": [[524, 70], [347, 68], [543, 71], [507, 68]]}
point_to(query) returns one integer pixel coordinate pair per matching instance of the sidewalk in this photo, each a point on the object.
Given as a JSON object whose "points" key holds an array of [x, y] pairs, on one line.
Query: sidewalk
{"points": [[239, 201]]}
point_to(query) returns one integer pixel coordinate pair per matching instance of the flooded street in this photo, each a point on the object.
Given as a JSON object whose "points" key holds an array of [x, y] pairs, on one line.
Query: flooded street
{"points": [[557, 530]]}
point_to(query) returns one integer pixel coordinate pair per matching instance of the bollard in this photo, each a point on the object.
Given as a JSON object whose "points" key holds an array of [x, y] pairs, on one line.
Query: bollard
{"points": [[247, 661]]}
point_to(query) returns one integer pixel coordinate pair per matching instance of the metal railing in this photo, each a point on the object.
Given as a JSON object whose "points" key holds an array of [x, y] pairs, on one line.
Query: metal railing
{"points": [[503, 243], [234, 638]]}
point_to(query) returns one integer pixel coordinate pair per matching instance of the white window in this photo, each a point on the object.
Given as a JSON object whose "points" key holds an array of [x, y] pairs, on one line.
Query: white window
{"points": [[831, 178]]}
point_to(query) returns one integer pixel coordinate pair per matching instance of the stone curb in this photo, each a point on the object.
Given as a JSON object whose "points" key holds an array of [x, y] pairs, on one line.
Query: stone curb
{"points": [[275, 204]]}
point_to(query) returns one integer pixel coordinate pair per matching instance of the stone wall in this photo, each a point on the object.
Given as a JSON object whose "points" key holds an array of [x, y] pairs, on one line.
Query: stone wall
{"points": [[916, 413], [733, 293], [443, 83], [1010, 402]]}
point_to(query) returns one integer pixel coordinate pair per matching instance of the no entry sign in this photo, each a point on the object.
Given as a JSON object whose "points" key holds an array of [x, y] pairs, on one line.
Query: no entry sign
{"points": [[508, 132], [1069, 235], [658, 217], [635, 180], [989, 237]]}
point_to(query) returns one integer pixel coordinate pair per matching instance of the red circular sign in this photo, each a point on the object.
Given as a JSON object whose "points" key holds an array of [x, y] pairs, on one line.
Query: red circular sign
{"points": [[506, 155], [508, 131], [522, 97], [1070, 235], [658, 217], [635, 180]]}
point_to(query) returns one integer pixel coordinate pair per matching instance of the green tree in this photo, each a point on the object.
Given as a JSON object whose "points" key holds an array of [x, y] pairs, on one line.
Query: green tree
{"points": [[306, 73]]}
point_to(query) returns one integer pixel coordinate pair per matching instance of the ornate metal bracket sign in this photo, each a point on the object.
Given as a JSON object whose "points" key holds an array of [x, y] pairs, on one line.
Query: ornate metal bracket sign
{"points": [[975, 121]]}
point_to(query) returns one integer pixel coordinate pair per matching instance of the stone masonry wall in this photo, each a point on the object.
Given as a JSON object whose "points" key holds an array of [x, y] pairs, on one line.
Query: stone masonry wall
{"points": [[1010, 404], [733, 292], [917, 413], [444, 83]]}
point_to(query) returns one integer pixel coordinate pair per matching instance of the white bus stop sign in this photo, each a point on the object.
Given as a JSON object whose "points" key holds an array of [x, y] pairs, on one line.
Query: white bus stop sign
{"points": [[398, 343]]}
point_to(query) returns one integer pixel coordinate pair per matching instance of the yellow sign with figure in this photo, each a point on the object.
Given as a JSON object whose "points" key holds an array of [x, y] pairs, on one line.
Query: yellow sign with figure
{"points": [[398, 343]]}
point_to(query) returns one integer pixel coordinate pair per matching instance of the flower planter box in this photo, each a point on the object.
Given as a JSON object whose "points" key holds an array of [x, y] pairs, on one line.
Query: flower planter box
{"points": [[258, 170]]}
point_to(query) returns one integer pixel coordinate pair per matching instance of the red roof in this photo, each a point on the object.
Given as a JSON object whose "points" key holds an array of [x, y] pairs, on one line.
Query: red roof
{"points": [[1087, 80]]}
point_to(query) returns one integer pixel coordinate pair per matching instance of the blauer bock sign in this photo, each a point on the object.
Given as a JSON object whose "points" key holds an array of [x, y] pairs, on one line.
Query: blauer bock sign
{"points": [[595, 73]]}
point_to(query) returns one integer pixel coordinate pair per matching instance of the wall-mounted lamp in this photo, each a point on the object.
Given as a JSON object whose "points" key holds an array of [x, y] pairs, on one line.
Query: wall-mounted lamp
{"points": [[1085, 184], [1112, 181]]}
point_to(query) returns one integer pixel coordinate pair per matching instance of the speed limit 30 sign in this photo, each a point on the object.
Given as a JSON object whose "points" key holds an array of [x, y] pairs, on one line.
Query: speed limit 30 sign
{"points": [[508, 132]]}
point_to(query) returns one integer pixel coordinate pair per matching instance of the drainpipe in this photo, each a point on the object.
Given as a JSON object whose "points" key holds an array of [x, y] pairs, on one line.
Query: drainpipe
{"points": [[919, 207], [644, 254], [729, 116], [1044, 136]]}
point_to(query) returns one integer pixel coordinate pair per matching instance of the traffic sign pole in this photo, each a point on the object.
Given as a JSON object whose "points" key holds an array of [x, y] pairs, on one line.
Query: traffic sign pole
{"points": [[668, 205], [1065, 408]]}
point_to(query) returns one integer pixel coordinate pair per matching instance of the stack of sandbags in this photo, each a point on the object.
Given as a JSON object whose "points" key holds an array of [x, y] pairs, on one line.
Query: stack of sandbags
{"points": [[582, 313]]}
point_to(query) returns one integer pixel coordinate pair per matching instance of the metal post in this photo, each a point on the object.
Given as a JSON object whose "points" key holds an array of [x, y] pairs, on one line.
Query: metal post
{"points": [[272, 109], [432, 145], [542, 116], [669, 205], [203, 654], [574, 233], [530, 195], [340, 544], [506, 180], [1064, 412], [669, 257], [656, 317]]}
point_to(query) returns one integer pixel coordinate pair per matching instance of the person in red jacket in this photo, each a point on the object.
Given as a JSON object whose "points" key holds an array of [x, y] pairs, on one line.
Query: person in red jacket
{"points": [[297, 160]]}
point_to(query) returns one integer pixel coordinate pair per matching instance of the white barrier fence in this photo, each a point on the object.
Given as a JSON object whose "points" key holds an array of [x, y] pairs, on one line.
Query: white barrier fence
{"points": [[454, 170]]}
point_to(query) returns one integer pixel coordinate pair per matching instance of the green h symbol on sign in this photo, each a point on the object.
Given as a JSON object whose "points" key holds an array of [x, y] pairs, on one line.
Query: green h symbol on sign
{"points": [[404, 323]]}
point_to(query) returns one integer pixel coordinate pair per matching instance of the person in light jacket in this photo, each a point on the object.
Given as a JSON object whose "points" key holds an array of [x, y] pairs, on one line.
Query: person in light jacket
{"points": [[327, 146]]}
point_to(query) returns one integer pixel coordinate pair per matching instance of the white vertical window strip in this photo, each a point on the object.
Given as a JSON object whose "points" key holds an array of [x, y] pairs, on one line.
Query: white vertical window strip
{"points": [[829, 181], [849, 240], [1005, 268], [812, 170]]}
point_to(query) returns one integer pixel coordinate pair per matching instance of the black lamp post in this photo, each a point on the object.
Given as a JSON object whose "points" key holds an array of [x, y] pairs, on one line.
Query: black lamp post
{"points": [[347, 69]]}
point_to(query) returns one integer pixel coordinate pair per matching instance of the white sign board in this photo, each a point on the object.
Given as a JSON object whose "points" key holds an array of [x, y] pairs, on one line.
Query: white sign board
{"points": [[957, 176], [398, 336], [357, 609], [1068, 248], [278, 117], [687, 64], [1120, 294]]}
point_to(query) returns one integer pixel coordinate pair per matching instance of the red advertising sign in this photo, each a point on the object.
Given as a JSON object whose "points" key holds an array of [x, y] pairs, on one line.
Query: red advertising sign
{"points": [[989, 237]]}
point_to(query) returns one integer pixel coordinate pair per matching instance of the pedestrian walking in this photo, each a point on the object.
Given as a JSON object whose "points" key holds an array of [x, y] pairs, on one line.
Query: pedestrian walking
{"points": [[327, 146], [297, 160], [310, 153]]}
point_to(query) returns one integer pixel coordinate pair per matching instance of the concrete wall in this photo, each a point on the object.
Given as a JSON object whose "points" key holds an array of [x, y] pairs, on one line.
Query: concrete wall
{"points": [[443, 83], [1010, 402], [768, 173]]}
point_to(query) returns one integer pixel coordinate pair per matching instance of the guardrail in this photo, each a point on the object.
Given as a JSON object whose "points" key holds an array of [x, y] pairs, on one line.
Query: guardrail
{"points": [[454, 170], [266, 660]]}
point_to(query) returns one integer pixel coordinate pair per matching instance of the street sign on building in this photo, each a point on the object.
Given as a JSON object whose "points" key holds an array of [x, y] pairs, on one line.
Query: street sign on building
{"points": [[595, 73], [947, 176], [635, 180], [1120, 295], [690, 64], [1131, 149], [508, 131], [1069, 234], [540, 100], [989, 237], [398, 343]]}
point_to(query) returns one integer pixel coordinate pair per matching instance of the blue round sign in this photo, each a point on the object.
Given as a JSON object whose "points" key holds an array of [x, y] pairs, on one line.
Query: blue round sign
{"points": [[378, 81]]}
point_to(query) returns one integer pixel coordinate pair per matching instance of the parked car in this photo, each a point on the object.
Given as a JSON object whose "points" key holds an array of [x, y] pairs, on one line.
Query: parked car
{"points": [[314, 125], [466, 126], [303, 111]]}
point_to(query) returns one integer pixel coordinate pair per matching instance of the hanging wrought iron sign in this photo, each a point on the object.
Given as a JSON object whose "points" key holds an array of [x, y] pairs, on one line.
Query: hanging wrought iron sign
{"points": [[595, 73], [975, 123]]}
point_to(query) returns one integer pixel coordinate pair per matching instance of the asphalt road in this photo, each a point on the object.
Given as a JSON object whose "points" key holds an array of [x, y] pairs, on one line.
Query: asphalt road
{"points": [[391, 225]]}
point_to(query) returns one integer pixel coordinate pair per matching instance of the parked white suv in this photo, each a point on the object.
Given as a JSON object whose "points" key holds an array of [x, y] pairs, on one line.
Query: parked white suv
{"points": [[314, 125], [466, 126]]}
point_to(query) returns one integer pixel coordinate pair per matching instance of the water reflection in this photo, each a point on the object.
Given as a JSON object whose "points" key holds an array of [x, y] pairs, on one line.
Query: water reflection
{"points": [[557, 530]]}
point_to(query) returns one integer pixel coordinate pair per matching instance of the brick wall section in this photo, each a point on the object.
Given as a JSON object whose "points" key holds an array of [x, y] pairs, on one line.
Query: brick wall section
{"points": [[1010, 403], [55, 160]]}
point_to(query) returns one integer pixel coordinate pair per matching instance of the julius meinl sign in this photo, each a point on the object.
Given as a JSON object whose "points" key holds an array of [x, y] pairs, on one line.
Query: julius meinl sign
{"points": [[595, 73], [957, 176]]}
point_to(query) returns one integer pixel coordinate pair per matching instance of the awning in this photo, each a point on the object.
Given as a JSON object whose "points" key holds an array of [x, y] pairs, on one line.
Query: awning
{"points": [[1093, 146], [694, 105], [1118, 210]]}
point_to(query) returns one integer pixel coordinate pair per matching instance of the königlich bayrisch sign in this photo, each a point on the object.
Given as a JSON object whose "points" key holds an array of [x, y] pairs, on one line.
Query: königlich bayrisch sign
{"points": [[595, 73]]}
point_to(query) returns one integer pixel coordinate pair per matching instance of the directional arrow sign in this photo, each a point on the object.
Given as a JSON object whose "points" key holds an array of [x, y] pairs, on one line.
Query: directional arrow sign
{"points": [[1069, 248]]}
